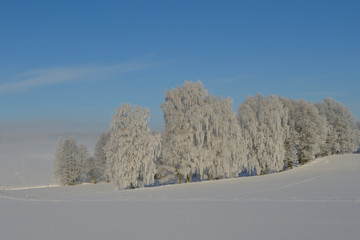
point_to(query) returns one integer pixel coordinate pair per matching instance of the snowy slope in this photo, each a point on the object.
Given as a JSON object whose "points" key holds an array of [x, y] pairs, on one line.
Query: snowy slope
{"points": [[320, 200]]}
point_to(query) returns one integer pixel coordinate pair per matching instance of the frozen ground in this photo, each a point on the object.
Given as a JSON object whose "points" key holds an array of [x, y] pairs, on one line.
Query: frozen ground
{"points": [[320, 200]]}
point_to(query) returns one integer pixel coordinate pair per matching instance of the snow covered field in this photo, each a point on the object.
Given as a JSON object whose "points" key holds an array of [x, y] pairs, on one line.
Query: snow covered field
{"points": [[320, 200]]}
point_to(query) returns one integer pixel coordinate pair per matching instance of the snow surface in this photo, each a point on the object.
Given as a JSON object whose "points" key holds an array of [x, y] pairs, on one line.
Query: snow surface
{"points": [[320, 200]]}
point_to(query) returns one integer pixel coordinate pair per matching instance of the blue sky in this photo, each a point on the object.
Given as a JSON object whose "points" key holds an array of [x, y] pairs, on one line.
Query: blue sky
{"points": [[75, 62]]}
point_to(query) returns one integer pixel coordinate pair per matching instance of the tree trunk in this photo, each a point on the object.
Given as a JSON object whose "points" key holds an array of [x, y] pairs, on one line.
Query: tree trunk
{"points": [[179, 175], [302, 159], [284, 168]]}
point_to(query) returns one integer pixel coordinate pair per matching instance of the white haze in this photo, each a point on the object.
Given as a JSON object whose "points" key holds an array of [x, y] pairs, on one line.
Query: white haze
{"points": [[27, 149]]}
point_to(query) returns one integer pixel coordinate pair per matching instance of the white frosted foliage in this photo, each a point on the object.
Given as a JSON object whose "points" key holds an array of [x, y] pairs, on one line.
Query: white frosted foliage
{"points": [[132, 149], [201, 134], [100, 158], [181, 113], [310, 128], [72, 164], [59, 161], [66, 164], [264, 124], [85, 164], [342, 136], [221, 147]]}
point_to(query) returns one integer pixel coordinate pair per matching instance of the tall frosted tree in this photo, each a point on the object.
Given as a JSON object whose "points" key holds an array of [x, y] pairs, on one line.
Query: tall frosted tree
{"points": [[100, 159], [72, 164], [264, 125], [59, 161], [291, 141], [221, 150], [91, 174], [66, 164], [132, 150], [342, 136], [201, 135], [86, 165], [310, 129], [181, 110], [291, 147]]}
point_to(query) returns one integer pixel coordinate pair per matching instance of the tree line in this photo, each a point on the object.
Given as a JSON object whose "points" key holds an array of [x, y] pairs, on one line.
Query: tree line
{"points": [[205, 139]]}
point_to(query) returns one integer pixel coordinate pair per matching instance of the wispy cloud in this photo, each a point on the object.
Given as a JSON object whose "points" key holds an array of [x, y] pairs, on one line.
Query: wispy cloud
{"points": [[57, 75]]}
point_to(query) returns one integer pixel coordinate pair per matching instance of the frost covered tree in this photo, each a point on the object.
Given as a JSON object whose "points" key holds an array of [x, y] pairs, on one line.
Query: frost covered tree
{"points": [[132, 150], [72, 164], [91, 174], [148, 165], [264, 123], [181, 111], [342, 136], [309, 127], [291, 141], [100, 159], [66, 164], [291, 147], [86, 167], [201, 135], [59, 161], [220, 145]]}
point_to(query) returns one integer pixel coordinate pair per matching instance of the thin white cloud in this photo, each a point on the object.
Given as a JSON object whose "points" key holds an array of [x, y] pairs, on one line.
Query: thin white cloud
{"points": [[51, 76]]}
